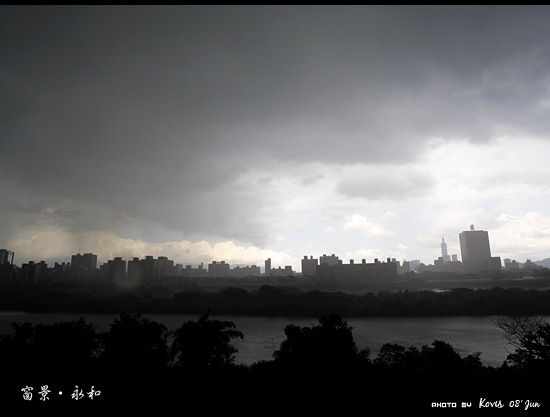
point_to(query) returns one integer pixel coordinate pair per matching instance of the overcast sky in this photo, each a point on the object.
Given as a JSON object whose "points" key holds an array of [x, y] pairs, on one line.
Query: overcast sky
{"points": [[240, 133]]}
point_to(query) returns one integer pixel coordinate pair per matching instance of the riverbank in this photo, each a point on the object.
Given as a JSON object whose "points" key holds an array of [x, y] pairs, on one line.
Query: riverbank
{"points": [[269, 301]]}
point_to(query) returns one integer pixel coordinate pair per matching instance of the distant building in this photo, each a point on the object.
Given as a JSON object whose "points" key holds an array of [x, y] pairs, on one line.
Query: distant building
{"points": [[33, 272], [164, 267], [6, 264], [116, 270], [444, 255], [136, 274], [282, 272], [414, 265], [450, 266], [189, 271], [425, 268], [511, 264], [476, 252], [309, 266], [6, 257], [61, 269], [377, 272], [150, 270], [329, 260], [267, 268], [245, 271], [218, 269], [83, 265], [474, 244]]}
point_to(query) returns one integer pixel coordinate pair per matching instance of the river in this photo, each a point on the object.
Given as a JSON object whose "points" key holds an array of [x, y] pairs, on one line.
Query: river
{"points": [[263, 335]]}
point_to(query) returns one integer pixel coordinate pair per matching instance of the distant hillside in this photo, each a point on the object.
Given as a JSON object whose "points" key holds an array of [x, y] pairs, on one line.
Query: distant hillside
{"points": [[544, 262]]}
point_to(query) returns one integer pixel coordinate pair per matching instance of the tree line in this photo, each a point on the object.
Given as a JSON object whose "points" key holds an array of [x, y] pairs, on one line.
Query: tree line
{"points": [[199, 358], [279, 301]]}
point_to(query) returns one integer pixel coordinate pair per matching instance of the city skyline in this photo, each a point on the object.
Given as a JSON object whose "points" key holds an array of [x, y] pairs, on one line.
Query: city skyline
{"points": [[474, 248], [248, 133]]}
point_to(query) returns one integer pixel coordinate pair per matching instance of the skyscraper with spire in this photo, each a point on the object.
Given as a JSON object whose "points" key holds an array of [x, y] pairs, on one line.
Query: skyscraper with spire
{"points": [[444, 254]]}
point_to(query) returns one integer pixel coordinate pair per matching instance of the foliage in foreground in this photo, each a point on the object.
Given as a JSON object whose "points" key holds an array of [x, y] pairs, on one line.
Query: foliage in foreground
{"points": [[134, 343]]}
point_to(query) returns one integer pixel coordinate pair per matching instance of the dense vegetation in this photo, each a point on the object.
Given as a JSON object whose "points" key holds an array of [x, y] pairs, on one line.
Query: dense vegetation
{"points": [[277, 301], [138, 360]]}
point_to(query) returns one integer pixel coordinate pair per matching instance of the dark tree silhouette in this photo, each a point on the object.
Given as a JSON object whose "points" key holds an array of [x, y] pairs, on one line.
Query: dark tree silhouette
{"points": [[531, 338], [438, 358], [322, 360], [61, 346], [392, 356], [135, 342], [327, 346], [204, 343]]}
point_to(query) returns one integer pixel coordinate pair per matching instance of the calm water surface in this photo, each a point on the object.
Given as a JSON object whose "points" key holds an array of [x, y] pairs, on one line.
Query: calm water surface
{"points": [[263, 335]]}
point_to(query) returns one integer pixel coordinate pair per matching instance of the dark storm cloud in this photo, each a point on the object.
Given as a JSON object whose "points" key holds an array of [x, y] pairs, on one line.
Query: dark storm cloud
{"points": [[155, 111]]}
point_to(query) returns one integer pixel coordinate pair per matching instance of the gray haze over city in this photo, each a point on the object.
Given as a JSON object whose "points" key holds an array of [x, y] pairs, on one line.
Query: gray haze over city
{"points": [[242, 133]]}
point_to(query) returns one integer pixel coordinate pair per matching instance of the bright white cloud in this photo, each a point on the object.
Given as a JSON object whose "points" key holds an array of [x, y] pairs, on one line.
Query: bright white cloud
{"points": [[365, 253], [54, 244], [358, 222], [522, 236], [304, 212]]}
